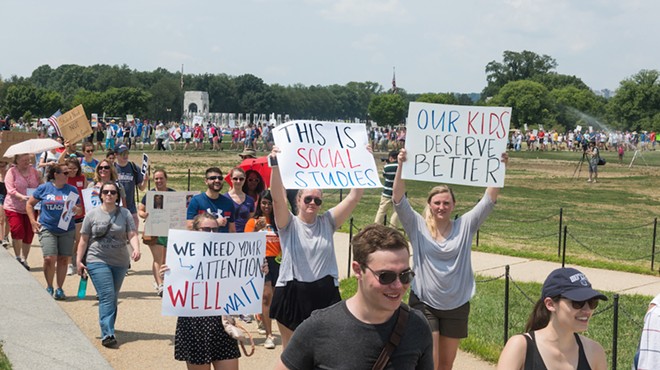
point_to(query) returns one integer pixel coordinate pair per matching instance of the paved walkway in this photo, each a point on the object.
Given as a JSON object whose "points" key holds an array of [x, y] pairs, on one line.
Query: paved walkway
{"points": [[37, 330]]}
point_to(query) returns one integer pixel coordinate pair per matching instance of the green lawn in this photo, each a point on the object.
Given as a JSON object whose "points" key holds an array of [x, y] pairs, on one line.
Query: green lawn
{"points": [[4, 361]]}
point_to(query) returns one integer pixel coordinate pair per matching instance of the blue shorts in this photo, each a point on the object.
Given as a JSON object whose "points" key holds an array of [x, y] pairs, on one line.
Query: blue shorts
{"points": [[2, 199]]}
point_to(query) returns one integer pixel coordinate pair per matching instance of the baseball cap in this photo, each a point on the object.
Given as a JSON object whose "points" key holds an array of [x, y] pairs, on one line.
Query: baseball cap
{"points": [[248, 153], [569, 283], [122, 148]]}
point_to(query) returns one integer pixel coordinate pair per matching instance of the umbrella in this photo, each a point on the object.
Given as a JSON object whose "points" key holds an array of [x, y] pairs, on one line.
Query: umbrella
{"points": [[32, 146], [260, 165]]}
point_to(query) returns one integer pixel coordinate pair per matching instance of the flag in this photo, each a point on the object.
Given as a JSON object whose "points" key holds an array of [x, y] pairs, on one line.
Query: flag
{"points": [[393, 81], [53, 122]]}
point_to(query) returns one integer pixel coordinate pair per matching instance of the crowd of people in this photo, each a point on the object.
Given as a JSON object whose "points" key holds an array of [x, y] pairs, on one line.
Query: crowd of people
{"points": [[576, 140], [301, 274]]}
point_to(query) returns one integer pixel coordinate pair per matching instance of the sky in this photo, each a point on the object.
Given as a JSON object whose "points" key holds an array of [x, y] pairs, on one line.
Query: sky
{"points": [[433, 45]]}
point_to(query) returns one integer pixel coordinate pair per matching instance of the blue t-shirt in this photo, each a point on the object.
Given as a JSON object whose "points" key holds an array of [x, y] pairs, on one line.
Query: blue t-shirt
{"points": [[241, 211], [127, 178], [88, 168], [221, 207], [52, 204]]}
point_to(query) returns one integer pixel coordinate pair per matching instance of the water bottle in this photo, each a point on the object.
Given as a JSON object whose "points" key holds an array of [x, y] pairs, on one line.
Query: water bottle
{"points": [[82, 287]]}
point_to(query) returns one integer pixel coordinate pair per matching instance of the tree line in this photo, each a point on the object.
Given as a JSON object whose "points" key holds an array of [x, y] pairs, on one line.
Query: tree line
{"points": [[526, 81]]}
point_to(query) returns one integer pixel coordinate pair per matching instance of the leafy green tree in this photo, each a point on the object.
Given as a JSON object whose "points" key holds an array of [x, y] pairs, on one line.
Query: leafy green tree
{"points": [[515, 66], [530, 102], [388, 109], [573, 104], [164, 95], [637, 102], [438, 98], [92, 101], [125, 100], [20, 99]]}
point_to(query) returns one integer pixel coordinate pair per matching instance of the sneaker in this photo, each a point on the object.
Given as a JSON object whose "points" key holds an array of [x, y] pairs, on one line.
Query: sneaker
{"points": [[69, 270], [23, 262], [5, 243], [589, 180], [159, 290], [246, 318], [109, 341], [269, 343], [260, 328], [50, 291], [59, 295]]}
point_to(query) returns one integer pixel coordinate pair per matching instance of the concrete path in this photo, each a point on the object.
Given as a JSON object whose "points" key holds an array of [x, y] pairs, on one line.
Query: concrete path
{"points": [[44, 329]]}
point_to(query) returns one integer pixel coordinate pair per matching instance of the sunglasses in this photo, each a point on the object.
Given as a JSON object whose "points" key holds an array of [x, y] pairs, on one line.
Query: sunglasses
{"points": [[214, 178], [578, 305], [109, 192], [209, 229], [388, 277], [104, 168], [238, 178], [253, 180], [66, 173], [309, 199], [89, 151]]}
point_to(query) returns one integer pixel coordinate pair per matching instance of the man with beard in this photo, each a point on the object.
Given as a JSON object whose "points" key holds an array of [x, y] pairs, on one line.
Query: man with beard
{"points": [[210, 201]]}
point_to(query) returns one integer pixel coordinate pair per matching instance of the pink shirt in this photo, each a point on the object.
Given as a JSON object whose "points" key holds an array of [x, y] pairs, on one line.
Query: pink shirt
{"points": [[18, 184]]}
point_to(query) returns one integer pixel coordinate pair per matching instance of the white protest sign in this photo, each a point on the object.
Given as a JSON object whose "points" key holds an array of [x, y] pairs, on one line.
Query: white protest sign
{"points": [[67, 212], [325, 155], [213, 274], [91, 198], [197, 119], [456, 144], [167, 210], [145, 164]]}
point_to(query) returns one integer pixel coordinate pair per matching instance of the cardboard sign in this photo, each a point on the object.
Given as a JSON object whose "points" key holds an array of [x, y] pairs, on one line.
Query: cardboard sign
{"points": [[10, 138], [213, 274], [167, 210], [325, 155], [456, 144], [74, 125]]}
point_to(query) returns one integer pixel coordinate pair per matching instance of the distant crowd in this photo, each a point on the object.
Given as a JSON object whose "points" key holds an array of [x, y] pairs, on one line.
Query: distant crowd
{"points": [[577, 140]]}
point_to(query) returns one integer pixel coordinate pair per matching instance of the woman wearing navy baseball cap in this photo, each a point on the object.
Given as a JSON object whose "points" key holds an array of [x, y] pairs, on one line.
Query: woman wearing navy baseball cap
{"points": [[551, 340]]}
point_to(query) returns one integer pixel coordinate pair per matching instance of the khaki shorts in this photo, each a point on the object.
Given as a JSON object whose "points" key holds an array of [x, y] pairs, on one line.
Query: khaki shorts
{"points": [[450, 323], [56, 244]]}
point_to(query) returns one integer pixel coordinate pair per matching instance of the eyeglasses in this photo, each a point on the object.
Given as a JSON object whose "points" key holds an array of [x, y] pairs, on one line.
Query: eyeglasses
{"points": [[109, 192], [309, 199], [89, 151], [388, 277], [578, 305], [238, 178], [214, 178], [209, 229], [253, 179], [104, 168]]}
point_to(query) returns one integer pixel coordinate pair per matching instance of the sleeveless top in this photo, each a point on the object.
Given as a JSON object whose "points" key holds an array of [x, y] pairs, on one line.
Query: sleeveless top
{"points": [[533, 360]]}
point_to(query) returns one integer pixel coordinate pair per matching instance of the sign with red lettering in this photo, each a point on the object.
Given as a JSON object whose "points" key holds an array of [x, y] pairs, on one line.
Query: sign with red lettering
{"points": [[213, 274], [456, 144], [325, 155]]}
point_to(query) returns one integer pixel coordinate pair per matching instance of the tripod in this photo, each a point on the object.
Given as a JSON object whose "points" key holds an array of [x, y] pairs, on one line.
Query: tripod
{"points": [[578, 168], [637, 153]]}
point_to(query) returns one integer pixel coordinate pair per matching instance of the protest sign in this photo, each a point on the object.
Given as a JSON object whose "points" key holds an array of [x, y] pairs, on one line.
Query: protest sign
{"points": [[325, 155], [145, 164], [95, 120], [67, 213], [456, 144], [91, 198], [167, 210], [129, 118], [10, 138], [74, 125], [213, 274], [198, 119]]}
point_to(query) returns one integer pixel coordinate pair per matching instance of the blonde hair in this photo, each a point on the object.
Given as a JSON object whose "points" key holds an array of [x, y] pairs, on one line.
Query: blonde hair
{"points": [[299, 196], [428, 217]]}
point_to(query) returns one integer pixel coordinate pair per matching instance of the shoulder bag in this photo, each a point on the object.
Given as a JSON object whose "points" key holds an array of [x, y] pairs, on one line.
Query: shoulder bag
{"points": [[395, 337]]}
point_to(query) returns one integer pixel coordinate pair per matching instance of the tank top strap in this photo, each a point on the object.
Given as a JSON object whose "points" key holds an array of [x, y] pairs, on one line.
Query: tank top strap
{"points": [[533, 360], [583, 363]]}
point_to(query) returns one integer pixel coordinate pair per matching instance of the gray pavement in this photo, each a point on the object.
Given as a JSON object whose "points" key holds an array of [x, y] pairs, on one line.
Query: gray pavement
{"points": [[38, 331]]}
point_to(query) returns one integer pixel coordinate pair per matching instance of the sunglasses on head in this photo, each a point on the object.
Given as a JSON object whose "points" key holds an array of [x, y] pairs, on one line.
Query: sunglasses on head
{"points": [[109, 192], [309, 199], [578, 305], [104, 167], [388, 277], [209, 229]]}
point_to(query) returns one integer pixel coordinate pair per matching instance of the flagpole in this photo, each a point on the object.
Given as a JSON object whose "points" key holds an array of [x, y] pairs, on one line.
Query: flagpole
{"points": [[183, 98]]}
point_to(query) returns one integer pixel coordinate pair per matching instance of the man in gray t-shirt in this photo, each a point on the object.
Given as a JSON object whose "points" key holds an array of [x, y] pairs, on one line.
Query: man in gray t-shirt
{"points": [[352, 334]]}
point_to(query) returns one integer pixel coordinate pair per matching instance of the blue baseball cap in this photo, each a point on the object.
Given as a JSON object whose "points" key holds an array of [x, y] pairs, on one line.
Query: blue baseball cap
{"points": [[569, 283]]}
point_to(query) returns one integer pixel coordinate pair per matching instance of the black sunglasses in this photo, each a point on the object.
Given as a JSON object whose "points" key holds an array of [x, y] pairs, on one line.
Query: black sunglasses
{"points": [[252, 179], [104, 167], [63, 172], [209, 229], [388, 277], [578, 305], [214, 178], [109, 192], [309, 199], [238, 178]]}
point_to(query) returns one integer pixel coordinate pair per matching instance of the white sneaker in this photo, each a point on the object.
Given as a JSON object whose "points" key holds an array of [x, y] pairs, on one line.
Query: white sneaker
{"points": [[260, 328], [69, 270], [269, 343]]}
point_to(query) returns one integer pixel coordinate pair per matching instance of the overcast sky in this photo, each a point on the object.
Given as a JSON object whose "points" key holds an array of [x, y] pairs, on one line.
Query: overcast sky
{"points": [[435, 45]]}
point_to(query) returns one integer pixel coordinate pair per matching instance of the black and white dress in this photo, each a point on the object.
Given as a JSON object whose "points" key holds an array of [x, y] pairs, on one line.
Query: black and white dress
{"points": [[202, 340]]}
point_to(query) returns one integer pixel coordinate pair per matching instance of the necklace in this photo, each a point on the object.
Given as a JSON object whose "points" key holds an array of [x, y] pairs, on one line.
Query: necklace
{"points": [[444, 230]]}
